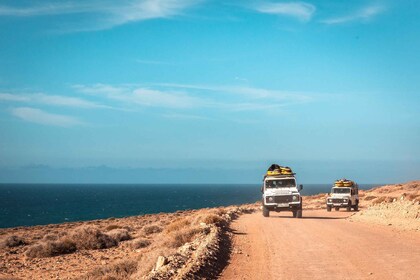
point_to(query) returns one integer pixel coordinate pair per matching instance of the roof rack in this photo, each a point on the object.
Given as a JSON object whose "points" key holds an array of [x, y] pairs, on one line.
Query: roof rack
{"points": [[280, 175]]}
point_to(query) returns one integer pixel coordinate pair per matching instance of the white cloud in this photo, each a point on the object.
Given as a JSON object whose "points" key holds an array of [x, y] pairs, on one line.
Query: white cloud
{"points": [[13, 97], [181, 96], [300, 10], [64, 101], [363, 14], [103, 14], [56, 100], [42, 117], [249, 92], [143, 96]]}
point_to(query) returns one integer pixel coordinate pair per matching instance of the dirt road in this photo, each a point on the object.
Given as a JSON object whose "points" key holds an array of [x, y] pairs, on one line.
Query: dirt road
{"points": [[322, 245]]}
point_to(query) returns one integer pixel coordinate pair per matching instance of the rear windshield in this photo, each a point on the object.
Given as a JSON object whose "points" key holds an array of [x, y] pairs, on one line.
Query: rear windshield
{"points": [[286, 183], [340, 190]]}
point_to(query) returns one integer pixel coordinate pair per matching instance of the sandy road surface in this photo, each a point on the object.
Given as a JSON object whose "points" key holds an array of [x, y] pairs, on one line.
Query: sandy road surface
{"points": [[322, 245]]}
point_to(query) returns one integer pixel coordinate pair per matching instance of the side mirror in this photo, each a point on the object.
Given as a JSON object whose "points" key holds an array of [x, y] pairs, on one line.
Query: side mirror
{"points": [[300, 187]]}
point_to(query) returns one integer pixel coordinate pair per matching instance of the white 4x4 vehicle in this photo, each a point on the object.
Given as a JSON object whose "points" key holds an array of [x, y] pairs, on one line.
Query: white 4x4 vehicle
{"points": [[280, 193], [344, 197]]}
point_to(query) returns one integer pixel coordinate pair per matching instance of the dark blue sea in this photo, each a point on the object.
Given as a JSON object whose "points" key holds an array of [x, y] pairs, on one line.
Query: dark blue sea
{"points": [[40, 204]]}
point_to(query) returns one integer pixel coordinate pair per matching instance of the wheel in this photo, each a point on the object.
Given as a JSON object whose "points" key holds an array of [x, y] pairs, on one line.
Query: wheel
{"points": [[349, 207], [299, 213], [328, 208], [356, 207], [294, 213], [266, 212], [337, 208]]}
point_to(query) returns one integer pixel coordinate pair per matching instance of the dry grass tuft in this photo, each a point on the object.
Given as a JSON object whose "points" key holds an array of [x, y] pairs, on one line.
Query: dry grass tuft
{"points": [[152, 229], [88, 237], [51, 248], [50, 237], [381, 199], [118, 271], [111, 227], [119, 234], [178, 238], [140, 243], [177, 225], [211, 219], [12, 241], [148, 261]]}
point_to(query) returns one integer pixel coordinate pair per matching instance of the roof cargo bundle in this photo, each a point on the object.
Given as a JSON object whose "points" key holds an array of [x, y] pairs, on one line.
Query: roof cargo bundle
{"points": [[276, 169], [343, 183]]}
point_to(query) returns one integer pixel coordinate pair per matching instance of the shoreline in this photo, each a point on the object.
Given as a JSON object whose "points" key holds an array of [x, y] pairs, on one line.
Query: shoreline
{"points": [[60, 214], [160, 246]]}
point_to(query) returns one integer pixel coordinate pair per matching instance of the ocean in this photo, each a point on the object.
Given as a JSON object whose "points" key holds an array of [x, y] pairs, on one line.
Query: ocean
{"points": [[40, 204]]}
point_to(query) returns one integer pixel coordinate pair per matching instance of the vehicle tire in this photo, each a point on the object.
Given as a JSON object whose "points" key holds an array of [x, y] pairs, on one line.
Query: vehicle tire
{"points": [[349, 207], [329, 208], [337, 208], [356, 207], [294, 213], [266, 212], [299, 213]]}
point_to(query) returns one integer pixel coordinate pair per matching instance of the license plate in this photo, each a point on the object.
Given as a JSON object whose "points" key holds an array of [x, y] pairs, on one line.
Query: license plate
{"points": [[283, 205]]}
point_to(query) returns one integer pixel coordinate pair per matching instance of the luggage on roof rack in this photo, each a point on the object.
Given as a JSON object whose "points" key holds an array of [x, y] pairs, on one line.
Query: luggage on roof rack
{"points": [[343, 183], [275, 170]]}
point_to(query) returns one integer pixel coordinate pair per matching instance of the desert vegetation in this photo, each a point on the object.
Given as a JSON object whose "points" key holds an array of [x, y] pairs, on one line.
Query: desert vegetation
{"points": [[150, 246], [166, 245]]}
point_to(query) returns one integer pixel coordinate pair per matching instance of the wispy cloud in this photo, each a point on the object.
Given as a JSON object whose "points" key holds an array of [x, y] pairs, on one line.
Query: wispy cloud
{"points": [[364, 14], [143, 96], [182, 96], [41, 117], [300, 10], [13, 97], [56, 100], [104, 14]]}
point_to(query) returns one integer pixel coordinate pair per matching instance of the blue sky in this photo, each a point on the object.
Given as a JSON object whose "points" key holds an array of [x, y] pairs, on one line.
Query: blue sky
{"points": [[223, 84]]}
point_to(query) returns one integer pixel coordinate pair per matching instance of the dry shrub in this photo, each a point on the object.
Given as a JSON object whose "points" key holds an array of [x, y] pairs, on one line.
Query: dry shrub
{"points": [[178, 238], [414, 197], [51, 248], [148, 261], [117, 271], [50, 237], [12, 241], [177, 225], [119, 234], [211, 219], [91, 238], [220, 211], [111, 227], [381, 199], [140, 243], [152, 229], [370, 197]]}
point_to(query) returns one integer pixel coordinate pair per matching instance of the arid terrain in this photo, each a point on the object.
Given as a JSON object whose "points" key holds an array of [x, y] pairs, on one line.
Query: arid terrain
{"points": [[381, 241]]}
